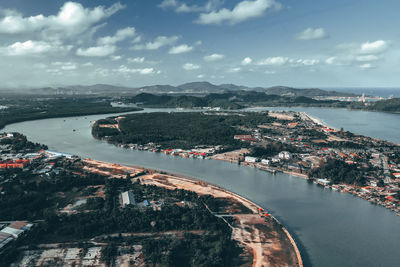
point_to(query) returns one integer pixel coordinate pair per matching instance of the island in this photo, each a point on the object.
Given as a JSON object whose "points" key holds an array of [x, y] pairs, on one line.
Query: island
{"points": [[289, 142], [59, 209]]}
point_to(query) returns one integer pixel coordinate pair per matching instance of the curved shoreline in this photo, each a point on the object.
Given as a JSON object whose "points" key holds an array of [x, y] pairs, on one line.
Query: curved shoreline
{"points": [[193, 182]]}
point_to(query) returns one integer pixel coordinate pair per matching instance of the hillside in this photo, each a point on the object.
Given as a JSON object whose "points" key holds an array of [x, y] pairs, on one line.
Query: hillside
{"points": [[187, 88], [229, 100], [389, 105]]}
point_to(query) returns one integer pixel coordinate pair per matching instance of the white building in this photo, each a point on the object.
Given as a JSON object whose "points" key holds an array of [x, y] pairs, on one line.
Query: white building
{"points": [[285, 155], [127, 198], [250, 159], [265, 161]]}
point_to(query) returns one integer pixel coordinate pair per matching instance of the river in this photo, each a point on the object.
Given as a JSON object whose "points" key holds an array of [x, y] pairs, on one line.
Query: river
{"points": [[332, 229]]}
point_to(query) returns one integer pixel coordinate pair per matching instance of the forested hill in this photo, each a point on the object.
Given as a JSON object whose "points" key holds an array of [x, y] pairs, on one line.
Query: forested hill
{"points": [[180, 129], [229, 100], [389, 105]]}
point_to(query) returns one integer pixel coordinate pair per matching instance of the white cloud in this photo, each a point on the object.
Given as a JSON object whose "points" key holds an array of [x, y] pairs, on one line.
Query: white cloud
{"points": [[115, 58], [307, 62], [87, 64], [366, 66], [29, 48], [274, 61], [367, 58], [137, 39], [242, 11], [190, 66], [180, 49], [168, 3], [72, 19], [354, 53], [246, 61], [269, 72], [285, 61], [200, 76], [312, 34], [159, 42], [96, 51], [69, 66], [181, 7], [234, 70], [374, 47], [119, 36], [213, 57], [136, 60], [144, 71], [330, 60]]}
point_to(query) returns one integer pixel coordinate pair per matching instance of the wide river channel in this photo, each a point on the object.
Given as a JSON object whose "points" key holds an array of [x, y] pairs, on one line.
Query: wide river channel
{"points": [[331, 228]]}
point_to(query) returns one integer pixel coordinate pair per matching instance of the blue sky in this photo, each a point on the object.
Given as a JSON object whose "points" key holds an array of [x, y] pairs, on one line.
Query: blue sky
{"points": [[300, 43]]}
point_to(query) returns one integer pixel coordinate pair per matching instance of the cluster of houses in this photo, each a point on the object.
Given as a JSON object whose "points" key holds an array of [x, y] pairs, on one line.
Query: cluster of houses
{"points": [[11, 231], [383, 175], [198, 152]]}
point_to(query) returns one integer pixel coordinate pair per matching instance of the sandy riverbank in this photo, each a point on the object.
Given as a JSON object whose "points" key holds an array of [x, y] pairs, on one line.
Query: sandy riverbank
{"points": [[270, 243]]}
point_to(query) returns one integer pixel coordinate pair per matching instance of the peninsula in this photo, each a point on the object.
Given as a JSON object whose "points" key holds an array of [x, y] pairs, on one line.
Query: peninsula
{"points": [[290, 142], [60, 209]]}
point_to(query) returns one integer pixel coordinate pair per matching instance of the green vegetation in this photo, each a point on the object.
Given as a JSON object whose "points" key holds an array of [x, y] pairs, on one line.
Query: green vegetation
{"points": [[181, 130], [337, 171], [230, 100], [192, 250], [20, 143], [389, 105], [24, 108], [35, 197]]}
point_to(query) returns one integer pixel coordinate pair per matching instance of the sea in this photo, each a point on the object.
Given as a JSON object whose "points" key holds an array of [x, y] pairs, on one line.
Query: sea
{"points": [[373, 91]]}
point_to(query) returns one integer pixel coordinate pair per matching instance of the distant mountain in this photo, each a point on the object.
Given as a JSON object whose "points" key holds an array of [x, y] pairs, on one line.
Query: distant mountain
{"points": [[201, 87], [389, 105], [187, 88], [233, 87], [157, 89], [312, 92]]}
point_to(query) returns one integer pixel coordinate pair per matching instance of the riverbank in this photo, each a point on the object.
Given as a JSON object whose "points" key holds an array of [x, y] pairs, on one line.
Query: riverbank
{"points": [[312, 143], [250, 230]]}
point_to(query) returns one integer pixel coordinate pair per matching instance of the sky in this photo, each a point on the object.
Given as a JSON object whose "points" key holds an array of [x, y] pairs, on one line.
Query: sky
{"points": [[299, 43]]}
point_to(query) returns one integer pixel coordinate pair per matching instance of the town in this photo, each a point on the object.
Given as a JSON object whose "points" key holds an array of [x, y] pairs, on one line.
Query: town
{"points": [[298, 144]]}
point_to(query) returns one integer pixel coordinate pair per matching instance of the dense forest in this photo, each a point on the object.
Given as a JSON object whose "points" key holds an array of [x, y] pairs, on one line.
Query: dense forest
{"points": [[30, 197], [24, 108], [389, 105], [181, 129]]}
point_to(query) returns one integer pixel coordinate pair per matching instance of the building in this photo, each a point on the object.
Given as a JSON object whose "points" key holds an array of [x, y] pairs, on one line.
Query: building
{"points": [[250, 159], [127, 198], [13, 231], [285, 155], [265, 161]]}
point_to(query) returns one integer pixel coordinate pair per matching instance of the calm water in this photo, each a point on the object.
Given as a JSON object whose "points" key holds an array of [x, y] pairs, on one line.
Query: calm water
{"points": [[333, 229]]}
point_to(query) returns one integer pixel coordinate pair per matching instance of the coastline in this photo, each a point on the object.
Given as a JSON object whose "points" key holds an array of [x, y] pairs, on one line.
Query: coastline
{"points": [[170, 181]]}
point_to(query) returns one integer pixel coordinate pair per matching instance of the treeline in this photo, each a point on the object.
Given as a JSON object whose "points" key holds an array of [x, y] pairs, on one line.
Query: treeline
{"points": [[28, 201], [217, 249], [28, 197], [20, 143], [229, 100], [28, 108], [181, 129], [338, 171]]}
